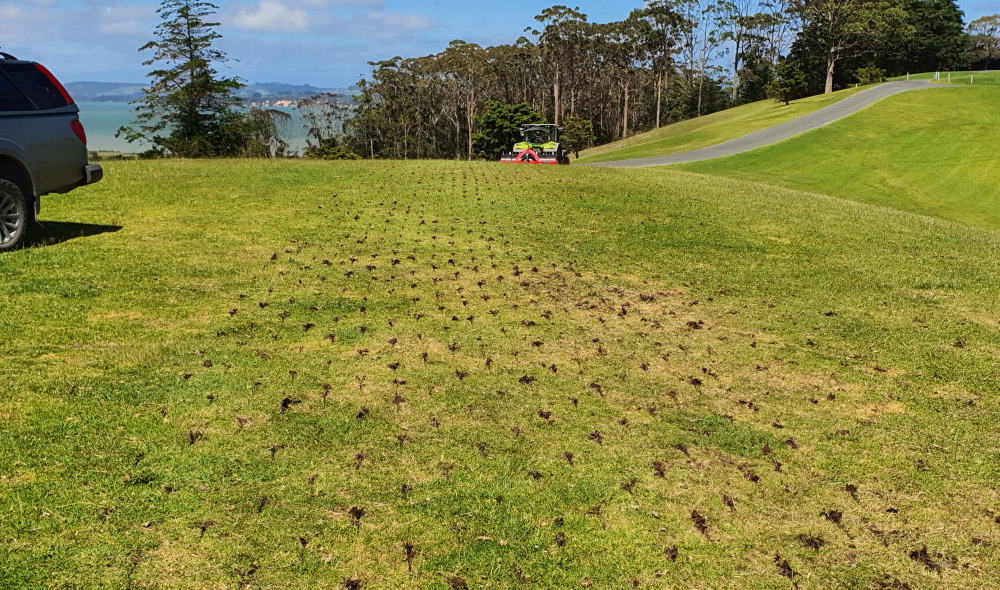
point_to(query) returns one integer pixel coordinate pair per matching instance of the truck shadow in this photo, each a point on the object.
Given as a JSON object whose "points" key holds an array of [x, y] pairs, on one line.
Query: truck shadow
{"points": [[50, 233]]}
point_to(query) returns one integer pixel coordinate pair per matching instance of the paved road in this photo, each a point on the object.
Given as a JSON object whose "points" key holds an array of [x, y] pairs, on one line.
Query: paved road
{"points": [[781, 132]]}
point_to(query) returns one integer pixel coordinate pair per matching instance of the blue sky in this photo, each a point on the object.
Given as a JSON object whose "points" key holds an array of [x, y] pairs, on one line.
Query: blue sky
{"points": [[325, 43]]}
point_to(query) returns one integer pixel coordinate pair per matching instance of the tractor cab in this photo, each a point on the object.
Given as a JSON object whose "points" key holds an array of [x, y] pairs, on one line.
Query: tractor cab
{"points": [[540, 146], [540, 135]]}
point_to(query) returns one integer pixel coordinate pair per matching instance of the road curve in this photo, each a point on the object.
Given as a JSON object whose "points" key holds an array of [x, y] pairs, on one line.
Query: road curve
{"points": [[824, 116]]}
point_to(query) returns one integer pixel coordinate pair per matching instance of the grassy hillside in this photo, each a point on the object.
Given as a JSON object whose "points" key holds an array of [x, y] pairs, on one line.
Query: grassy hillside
{"points": [[959, 78], [432, 375], [711, 129], [932, 152]]}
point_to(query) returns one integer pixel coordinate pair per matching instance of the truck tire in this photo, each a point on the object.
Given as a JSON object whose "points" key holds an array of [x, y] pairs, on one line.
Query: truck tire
{"points": [[13, 215]]}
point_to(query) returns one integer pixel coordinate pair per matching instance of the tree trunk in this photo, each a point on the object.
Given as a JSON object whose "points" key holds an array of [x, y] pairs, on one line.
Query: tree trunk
{"points": [[831, 60], [659, 94], [666, 90], [555, 93], [701, 86], [458, 133], [736, 73], [468, 115], [625, 114]]}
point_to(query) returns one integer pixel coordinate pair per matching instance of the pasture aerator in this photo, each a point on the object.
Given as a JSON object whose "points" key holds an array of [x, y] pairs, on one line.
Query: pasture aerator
{"points": [[540, 146]]}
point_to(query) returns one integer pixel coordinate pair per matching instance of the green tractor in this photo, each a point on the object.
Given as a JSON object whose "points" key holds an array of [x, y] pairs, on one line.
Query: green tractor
{"points": [[540, 146]]}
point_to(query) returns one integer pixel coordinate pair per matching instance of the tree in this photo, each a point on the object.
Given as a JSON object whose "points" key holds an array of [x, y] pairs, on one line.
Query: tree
{"points": [[985, 38], [665, 25], [187, 104], [500, 128], [626, 55], [847, 28], [735, 19], [256, 133], [869, 74], [755, 76], [561, 39], [464, 63], [329, 148], [780, 28], [324, 116], [708, 45], [938, 41], [577, 134], [789, 83]]}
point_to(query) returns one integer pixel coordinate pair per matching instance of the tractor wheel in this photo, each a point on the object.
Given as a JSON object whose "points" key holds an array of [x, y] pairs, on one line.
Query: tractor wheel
{"points": [[13, 215]]}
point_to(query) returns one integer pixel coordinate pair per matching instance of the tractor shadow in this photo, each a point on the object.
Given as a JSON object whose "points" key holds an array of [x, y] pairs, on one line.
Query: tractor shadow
{"points": [[50, 233]]}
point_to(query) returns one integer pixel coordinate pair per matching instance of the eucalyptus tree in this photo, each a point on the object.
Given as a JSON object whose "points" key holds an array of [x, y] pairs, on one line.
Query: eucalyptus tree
{"points": [[985, 38], [323, 116], [847, 28], [665, 25], [561, 39], [736, 22], [708, 42], [780, 27], [627, 55], [465, 64]]}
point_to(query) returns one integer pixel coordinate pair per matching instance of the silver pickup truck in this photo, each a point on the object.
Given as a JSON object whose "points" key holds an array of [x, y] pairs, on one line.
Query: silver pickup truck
{"points": [[43, 147]]}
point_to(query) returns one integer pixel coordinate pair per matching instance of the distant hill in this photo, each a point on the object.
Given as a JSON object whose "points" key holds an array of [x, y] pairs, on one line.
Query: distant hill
{"points": [[256, 92]]}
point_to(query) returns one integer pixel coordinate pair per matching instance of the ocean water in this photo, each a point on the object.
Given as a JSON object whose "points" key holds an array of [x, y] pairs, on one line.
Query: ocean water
{"points": [[102, 119]]}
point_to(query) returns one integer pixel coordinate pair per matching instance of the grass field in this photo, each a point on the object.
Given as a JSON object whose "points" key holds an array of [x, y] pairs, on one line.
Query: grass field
{"points": [[440, 375], [959, 78], [711, 129], [932, 152]]}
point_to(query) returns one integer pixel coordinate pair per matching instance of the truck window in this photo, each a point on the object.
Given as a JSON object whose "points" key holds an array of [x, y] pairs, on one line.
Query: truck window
{"points": [[35, 86], [11, 98]]}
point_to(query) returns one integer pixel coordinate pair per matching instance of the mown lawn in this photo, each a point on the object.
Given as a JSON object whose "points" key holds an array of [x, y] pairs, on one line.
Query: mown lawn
{"points": [[958, 78], [711, 129], [933, 152], [440, 375]]}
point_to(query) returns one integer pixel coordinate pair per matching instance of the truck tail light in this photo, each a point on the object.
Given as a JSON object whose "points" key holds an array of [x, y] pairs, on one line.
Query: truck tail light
{"points": [[78, 130], [52, 79]]}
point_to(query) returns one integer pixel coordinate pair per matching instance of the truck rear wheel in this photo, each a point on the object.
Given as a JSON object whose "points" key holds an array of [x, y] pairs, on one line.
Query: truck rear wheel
{"points": [[13, 215]]}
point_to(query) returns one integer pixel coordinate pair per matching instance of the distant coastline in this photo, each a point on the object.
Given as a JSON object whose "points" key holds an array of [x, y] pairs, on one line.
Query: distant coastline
{"points": [[253, 94], [102, 119], [105, 107]]}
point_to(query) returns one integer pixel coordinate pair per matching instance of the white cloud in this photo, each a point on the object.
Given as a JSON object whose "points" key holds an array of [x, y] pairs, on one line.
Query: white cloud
{"points": [[36, 27], [272, 16], [126, 20], [375, 4], [321, 17], [391, 24]]}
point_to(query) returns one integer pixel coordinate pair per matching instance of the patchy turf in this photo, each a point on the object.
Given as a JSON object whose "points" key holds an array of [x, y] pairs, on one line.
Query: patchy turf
{"points": [[930, 152], [441, 375], [711, 129]]}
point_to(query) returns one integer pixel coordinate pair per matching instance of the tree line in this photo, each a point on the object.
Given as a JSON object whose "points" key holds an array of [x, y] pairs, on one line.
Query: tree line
{"points": [[666, 61]]}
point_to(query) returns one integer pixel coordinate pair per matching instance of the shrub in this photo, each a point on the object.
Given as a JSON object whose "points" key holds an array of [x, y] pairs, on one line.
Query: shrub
{"points": [[870, 74]]}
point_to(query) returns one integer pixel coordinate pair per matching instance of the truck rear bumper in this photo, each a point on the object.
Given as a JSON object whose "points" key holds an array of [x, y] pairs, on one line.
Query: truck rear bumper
{"points": [[92, 173]]}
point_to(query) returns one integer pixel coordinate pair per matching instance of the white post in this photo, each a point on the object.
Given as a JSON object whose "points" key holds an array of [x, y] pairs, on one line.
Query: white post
{"points": [[949, 77], [907, 76]]}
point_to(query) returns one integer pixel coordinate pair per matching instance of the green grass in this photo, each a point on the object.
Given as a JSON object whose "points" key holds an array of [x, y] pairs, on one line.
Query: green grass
{"points": [[711, 129], [932, 152], [959, 78], [698, 342]]}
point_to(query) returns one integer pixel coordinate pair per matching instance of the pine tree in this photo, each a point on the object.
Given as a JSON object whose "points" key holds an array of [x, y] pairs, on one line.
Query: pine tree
{"points": [[187, 105]]}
